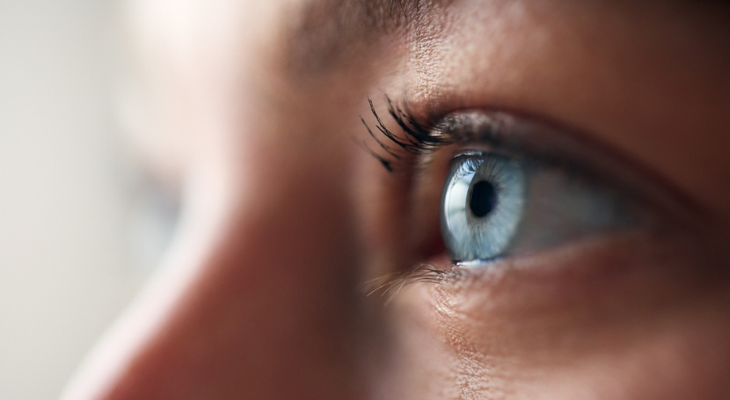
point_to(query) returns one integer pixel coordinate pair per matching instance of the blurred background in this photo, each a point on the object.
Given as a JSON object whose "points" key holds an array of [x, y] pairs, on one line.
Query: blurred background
{"points": [[79, 227]]}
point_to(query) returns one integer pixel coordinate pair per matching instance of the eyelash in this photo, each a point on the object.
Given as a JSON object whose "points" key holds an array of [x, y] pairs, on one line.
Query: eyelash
{"points": [[420, 137], [424, 136], [391, 284]]}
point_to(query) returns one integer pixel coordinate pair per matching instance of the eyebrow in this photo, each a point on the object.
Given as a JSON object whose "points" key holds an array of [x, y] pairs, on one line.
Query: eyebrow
{"points": [[322, 33]]}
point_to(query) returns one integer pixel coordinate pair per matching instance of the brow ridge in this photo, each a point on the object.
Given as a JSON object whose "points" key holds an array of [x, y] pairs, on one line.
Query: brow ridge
{"points": [[323, 33]]}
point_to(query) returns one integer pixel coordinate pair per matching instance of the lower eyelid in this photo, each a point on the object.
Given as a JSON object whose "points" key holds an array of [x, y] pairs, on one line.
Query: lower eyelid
{"points": [[609, 269], [649, 260], [570, 298]]}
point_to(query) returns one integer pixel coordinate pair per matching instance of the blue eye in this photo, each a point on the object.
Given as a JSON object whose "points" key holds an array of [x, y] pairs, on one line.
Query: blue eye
{"points": [[495, 205]]}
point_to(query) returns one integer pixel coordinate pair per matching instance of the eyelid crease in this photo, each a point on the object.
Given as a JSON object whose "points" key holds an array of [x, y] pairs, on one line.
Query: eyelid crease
{"points": [[426, 135]]}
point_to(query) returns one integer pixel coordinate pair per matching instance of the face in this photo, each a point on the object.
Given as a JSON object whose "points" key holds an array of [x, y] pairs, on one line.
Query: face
{"points": [[433, 200]]}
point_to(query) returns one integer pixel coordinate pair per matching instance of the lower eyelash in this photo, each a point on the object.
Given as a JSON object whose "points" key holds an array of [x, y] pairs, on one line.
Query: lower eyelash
{"points": [[391, 284]]}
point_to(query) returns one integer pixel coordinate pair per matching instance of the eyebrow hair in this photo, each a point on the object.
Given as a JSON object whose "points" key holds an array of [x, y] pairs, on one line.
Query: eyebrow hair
{"points": [[322, 33]]}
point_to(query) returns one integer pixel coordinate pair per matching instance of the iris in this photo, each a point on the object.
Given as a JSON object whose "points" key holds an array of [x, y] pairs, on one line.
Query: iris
{"points": [[481, 205]]}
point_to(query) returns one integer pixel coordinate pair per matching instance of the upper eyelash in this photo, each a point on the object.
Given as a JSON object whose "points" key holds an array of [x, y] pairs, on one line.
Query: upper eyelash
{"points": [[423, 136], [420, 137], [426, 135]]}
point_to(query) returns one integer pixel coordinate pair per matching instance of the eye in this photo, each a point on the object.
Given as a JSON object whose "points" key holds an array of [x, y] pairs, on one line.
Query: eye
{"points": [[491, 185], [494, 205]]}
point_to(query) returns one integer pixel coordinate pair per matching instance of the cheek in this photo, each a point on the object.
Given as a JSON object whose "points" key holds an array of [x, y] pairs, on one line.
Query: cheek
{"points": [[634, 318]]}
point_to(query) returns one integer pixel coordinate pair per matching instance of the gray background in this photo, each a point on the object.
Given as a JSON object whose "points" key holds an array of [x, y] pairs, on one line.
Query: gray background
{"points": [[65, 198]]}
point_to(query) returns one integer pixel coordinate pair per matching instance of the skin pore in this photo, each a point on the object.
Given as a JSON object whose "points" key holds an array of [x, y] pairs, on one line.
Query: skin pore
{"points": [[287, 215]]}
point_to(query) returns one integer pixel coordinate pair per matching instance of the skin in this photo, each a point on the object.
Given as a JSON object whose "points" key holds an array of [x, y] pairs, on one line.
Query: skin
{"points": [[285, 217]]}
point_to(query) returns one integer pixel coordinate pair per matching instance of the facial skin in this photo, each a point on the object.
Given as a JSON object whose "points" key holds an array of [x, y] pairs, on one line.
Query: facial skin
{"points": [[257, 106]]}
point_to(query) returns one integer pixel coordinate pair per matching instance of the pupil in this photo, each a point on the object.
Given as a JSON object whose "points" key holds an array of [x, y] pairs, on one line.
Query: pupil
{"points": [[483, 199]]}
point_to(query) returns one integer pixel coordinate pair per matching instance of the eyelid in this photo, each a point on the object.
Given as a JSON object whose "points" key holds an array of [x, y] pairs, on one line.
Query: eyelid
{"points": [[474, 130]]}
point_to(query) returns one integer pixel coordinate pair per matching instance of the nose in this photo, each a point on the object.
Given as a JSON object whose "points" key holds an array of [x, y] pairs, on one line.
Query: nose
{"points": [[257, 301]]}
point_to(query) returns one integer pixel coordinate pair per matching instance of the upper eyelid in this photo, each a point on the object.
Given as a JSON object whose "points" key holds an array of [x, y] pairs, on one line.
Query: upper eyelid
{"points": [[432, 132], [496, 129], [518, 135]]}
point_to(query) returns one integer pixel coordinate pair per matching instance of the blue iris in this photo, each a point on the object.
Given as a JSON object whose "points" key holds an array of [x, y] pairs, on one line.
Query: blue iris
{"points": [[482, 205]]}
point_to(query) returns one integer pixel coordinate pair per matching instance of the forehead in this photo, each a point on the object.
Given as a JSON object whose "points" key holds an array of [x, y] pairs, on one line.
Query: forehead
{"points": [[637, 75], [319, 29]]}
